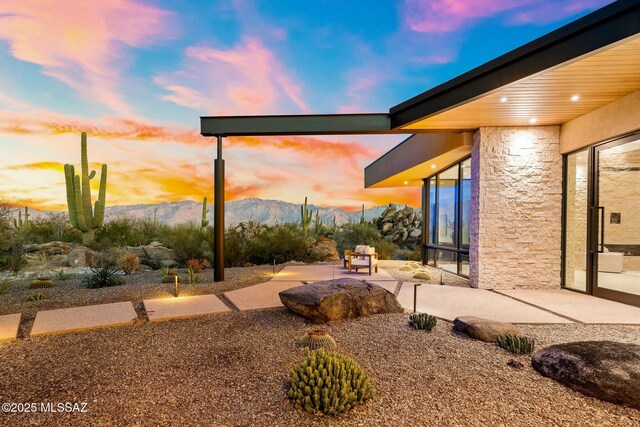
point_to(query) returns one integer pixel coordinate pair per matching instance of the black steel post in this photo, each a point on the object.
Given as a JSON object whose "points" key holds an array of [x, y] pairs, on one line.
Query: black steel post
{"points": [[218, 216]]}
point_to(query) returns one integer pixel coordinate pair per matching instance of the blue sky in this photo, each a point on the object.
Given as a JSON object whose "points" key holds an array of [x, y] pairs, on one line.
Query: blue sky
{"points": [[138, 74]]}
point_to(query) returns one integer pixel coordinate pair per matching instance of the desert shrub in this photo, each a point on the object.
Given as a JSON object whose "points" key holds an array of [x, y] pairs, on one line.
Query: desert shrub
{"points": [[193, 270], [236, 249], [516, 344], [422, 275], [4, 286], [422, 321], [350, 235], [281, 243], [102, 278], [38, 296], [55, 226], [124, 231], [61, 275], [128, 262], [188, 241], [12, 251], [316, 338], [328, 383]]}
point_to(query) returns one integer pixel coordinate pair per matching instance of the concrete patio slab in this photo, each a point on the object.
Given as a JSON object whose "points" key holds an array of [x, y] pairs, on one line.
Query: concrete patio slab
{"points": [[298, 273], [83, 318], [387, 284], [188, 306], [261, 296], [9, 324], [363, 274], [583, 308], [449, 302]]}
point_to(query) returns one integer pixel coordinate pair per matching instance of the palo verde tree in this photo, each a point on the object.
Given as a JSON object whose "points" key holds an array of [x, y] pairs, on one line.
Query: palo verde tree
{"points": [[81, 214]]}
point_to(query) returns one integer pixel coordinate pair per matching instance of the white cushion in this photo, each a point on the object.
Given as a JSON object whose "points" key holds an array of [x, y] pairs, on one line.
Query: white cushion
{"points": [[358, 262]]}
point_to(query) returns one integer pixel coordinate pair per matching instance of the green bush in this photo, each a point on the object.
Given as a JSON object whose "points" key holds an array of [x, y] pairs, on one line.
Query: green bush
{"points": [[12, 251], [328, 383], [55, 226], [189, 241], [516, 344], [350, 235], [422, 321], [102, 278], [127, 231]]}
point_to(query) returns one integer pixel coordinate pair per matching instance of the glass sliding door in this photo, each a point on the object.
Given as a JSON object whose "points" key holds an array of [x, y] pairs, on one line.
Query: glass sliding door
{"points": [[601, 241], [616, 210]]}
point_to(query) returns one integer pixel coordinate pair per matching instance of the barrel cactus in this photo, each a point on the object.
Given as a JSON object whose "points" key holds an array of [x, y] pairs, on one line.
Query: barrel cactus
{"points": [[81, 214], [516, 344], [423, 321], [317, 338], [328, 383]]}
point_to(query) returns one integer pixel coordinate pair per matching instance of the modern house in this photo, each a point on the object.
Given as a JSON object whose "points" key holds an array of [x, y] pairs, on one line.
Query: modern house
{"points": [[529, 164]]}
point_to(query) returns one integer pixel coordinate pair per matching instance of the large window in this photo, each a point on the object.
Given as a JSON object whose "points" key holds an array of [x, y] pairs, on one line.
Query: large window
{"points": [[447, 204]]}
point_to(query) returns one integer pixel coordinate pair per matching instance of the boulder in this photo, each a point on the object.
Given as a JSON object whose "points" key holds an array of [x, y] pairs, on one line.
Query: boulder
{"points": [[50, 248], [339, 299], [82, 257], [168, 263], [484, 329], [324, 249], [606, 370], [154, 255]]}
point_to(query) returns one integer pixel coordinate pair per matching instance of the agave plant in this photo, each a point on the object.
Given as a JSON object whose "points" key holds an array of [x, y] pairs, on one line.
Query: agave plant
{"points": [[102, 278]]}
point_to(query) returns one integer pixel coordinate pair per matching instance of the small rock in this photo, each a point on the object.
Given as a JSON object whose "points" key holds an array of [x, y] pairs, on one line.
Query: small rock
{"points": [[484, 329], [516, 364]]}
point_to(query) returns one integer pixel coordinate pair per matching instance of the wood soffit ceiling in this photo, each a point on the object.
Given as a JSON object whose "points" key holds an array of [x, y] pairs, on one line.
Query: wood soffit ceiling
{"points": [[598, 79]]}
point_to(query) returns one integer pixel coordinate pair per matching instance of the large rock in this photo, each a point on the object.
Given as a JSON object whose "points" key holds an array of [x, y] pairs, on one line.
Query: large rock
{"points": [[82, 257], [339, 299], [154, 255], [605, 370], [324, 249], [50, 248], [484, 329]]}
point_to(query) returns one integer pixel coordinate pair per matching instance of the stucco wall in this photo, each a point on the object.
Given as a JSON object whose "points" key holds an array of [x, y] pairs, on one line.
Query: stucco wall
{"points": [[618, 118], [516, 208]]}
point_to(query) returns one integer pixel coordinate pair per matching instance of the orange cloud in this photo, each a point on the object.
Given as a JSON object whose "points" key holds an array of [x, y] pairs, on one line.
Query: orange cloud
{"points": [[246, 79], [55, 166], [81, 43]]}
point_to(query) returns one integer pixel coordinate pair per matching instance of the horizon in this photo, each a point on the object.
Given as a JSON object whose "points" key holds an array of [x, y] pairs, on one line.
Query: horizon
{"points": [[137, 75]]}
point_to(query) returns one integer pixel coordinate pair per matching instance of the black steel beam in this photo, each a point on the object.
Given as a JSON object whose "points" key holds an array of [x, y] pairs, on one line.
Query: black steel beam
{"points": [[321, 124]]}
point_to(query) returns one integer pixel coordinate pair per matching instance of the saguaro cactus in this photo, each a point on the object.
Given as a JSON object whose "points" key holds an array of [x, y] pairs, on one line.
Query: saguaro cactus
{"points": [[205, 222], [362, 216], [19, 224], [319, 227], [81, 214], [305, 216]]}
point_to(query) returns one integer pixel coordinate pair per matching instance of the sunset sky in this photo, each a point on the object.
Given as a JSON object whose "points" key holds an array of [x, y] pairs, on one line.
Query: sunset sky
{"points": [[136, 75]]}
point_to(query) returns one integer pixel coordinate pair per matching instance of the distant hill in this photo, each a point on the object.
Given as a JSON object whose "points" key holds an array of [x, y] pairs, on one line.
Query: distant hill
{"points": [[259, 210]]}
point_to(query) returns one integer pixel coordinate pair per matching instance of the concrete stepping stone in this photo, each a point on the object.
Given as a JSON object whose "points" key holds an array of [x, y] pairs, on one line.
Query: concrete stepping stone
{"points": [[297, 273], [182, 307], [363, 273], [9, 324], [83, 318], [261, 296]]}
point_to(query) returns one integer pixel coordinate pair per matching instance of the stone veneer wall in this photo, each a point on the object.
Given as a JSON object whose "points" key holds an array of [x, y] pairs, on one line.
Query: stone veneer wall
{"points": [[516, 208]]}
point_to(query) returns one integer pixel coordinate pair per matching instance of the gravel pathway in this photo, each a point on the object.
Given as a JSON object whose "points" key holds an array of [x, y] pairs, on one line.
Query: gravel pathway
{"points": [[232, 369]]}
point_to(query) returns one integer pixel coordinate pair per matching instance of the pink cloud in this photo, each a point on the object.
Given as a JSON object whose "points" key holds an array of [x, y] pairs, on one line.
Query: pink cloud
{"points": [[246, 79], [443, 16], [82, 43]]}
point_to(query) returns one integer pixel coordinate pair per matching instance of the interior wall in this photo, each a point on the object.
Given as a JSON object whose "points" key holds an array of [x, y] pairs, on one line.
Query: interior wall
{"points": [[516, 208]]}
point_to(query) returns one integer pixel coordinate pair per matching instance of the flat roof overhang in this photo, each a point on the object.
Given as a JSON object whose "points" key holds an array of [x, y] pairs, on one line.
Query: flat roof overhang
{"points": [[318, 124], [417, 157], [596, 57]]}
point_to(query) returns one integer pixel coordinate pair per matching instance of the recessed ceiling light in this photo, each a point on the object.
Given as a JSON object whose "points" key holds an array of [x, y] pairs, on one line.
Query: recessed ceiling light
{"points": [[533, 120], [575, 98], [433, 166], [504, 99], [406, 182]]}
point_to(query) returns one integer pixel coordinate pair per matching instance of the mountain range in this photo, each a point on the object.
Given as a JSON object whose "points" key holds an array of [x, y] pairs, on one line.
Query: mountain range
{"points": [[236, 211]]}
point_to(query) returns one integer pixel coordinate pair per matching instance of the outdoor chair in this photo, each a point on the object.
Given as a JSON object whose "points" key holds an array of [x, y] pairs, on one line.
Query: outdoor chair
{"points": [[362, 257]]}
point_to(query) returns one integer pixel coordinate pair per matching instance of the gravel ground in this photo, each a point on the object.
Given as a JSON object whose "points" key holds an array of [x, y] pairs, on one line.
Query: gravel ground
{"points": [[137, 287], [231, 370]]}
